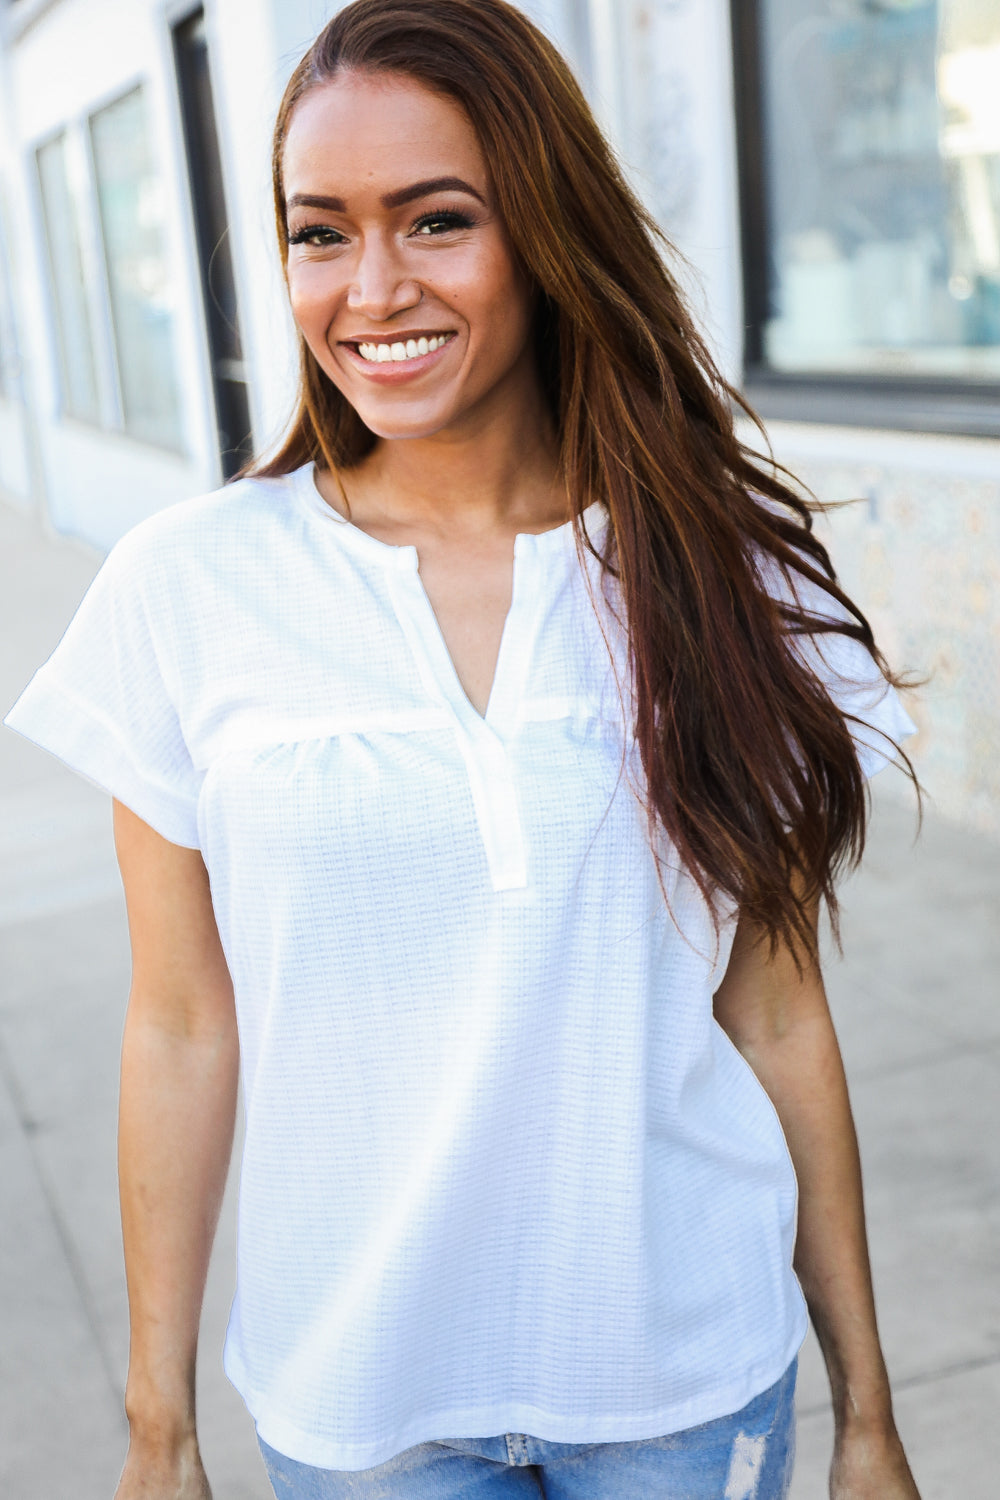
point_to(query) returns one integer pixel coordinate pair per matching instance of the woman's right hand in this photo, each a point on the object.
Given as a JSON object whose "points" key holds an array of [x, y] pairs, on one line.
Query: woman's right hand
{"points": [[155, 1473]]}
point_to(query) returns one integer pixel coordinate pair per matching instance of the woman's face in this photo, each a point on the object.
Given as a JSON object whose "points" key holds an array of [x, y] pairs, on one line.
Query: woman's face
{"points": [[400, 272]]}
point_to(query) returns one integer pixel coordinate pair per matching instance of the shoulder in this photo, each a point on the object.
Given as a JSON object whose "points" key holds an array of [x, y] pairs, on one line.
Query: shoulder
{"points": [[224, 532], [828, 638], [799, 583], [248, 510]]}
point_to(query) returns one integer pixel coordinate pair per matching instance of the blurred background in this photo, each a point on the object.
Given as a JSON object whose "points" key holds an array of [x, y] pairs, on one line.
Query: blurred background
{"points": [[829, 170]]}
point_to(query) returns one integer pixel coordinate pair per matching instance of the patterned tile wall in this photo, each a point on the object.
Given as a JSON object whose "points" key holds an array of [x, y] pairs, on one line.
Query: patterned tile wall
{"points": [[920, 552]]}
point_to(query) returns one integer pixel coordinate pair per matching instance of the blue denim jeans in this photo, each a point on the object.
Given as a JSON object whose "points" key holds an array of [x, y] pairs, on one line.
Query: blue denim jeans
{"points": [[746, 1456]]}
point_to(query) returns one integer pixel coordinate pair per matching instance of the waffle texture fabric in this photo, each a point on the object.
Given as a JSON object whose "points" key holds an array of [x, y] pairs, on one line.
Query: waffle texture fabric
{"points": [[502, 1170]]}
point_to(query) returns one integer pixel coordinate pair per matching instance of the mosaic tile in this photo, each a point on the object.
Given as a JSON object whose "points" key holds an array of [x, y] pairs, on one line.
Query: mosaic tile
{"points": [[921, 554]]}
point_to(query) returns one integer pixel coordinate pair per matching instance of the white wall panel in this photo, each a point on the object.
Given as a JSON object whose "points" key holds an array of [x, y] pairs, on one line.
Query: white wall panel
{"points": [[15, 465], [678, 137], [80, 52], [77, 57], [249, 73], [100, 485]]}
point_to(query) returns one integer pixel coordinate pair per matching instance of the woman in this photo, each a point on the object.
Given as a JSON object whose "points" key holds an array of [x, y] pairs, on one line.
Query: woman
{"points": [[468, 751]]}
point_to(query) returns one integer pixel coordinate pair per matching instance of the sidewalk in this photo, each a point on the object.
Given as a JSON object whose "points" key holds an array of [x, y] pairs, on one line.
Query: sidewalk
{"points": [[64, 976], [917, 1003]]}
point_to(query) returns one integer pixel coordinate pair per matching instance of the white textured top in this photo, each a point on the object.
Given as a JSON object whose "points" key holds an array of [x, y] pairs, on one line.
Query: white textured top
{"points": [[503, 1171]]}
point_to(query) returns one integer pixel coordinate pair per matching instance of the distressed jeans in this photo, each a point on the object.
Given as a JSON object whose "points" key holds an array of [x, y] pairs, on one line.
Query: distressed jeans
{"points": [[746, 1456]]}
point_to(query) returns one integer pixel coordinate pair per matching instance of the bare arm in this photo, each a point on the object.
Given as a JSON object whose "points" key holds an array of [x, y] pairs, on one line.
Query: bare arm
{"points": [[780, 1021], [178, 1102]]}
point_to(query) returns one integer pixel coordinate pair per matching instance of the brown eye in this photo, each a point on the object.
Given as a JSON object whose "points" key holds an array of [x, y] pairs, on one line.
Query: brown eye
{"points": [[317, 235], [441, 223]]}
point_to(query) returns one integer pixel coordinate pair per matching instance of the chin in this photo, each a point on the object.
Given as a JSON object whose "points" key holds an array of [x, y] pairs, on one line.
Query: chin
{"points": [[390, 431], [401, 424]]}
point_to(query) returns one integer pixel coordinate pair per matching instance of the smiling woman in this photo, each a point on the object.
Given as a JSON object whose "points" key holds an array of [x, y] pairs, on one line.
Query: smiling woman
{"points": [[393, 236], [481, 760]]}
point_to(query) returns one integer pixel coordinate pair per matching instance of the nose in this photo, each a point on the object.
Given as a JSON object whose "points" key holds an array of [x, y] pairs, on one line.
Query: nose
{"points": [[381, 286]]}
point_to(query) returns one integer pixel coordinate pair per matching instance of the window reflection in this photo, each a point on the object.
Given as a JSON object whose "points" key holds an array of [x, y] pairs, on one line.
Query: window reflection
{"points": [[74, 335], [130, 198], [882, 126], [10, 359]]}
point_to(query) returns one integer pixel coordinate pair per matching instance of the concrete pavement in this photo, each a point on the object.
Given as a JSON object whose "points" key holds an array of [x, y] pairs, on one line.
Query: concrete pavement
{"points": [[917, 1003], [64, 975]]}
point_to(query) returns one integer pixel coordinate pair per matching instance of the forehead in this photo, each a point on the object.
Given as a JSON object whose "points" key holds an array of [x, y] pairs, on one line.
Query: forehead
{"points": [[377, 132]]}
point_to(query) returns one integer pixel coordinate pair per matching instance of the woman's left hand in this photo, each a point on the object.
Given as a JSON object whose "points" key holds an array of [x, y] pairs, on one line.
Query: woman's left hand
{"points": [[869, 1464]]}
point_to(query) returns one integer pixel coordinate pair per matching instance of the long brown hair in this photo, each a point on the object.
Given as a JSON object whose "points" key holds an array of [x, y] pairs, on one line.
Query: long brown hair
{"points": [[747, 765]]}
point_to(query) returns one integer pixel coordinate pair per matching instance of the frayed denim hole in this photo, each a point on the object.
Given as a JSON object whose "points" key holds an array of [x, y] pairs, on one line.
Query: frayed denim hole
{"points": [[746, 1464]]}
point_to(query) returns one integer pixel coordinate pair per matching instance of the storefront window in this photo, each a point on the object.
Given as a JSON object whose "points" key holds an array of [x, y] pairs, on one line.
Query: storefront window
{"points": [[130, 198], [880, 125], [10, 360], [74, 334]]}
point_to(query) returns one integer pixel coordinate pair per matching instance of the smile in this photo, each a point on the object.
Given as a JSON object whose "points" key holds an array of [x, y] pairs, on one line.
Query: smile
{"points": [[401, 350]]}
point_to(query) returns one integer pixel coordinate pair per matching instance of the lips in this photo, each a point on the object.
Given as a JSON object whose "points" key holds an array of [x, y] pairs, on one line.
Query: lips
{"points": [[400, 355], [400, 349]]}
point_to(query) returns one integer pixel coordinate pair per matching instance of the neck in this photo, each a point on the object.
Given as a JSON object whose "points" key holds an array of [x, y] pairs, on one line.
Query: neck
{"points": [[495, 469]]}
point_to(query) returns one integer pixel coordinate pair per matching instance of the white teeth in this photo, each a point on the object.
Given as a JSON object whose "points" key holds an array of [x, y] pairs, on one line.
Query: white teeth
{"points": [[381, 354]]}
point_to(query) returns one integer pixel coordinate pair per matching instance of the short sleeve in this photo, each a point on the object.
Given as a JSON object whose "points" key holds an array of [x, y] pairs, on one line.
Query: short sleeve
{"points": [[102, 702], [872, 708]]}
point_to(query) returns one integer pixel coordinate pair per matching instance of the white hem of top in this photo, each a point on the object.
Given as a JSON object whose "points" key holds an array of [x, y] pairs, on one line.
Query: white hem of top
{"points": [[473, 1422]]}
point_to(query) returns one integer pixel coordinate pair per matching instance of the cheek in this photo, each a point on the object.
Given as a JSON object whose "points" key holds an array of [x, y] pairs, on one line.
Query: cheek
{"points": [[502, 300], [312, 295]]}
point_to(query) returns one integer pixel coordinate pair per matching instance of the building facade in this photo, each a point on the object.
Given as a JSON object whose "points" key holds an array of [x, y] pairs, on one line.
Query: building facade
{"points": [[828, 170]]}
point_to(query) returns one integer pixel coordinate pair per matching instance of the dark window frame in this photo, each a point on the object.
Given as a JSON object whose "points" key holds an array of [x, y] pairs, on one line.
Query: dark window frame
{"points": [[211, 225], [904, 403]]}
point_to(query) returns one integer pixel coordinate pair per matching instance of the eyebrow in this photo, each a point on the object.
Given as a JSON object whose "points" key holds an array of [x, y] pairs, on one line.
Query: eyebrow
{"points": [[391, 200]]}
